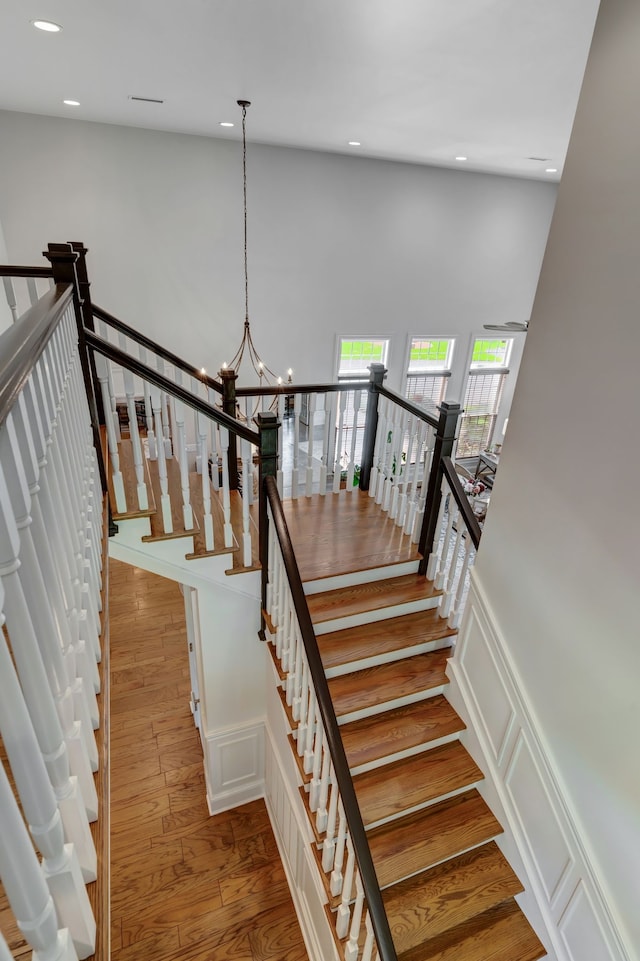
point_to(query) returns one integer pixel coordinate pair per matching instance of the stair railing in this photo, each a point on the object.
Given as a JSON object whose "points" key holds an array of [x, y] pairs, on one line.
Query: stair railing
{"points": [[212, 461], [51, 588], [455, 542], [361, 921]]}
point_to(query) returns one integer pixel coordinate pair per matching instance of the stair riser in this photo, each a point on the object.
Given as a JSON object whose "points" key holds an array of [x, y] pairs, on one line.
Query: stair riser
{"points": [[389, 705], [360, 577], [341, 669], [400, 755], [369, 617]]}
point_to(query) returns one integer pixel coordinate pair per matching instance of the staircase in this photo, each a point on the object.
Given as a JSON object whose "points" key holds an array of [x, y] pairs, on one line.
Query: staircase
{"points": [[447, 890]]}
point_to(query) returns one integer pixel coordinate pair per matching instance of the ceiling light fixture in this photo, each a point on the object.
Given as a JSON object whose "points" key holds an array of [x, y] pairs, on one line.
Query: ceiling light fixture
{"points": [[47, 25], [354, 143], [551, 170], [225, 123], [72, 103], [264, 373], [462, 158]]}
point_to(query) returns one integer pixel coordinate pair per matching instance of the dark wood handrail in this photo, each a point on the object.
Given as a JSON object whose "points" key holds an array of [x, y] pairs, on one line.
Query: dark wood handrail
{"points": [[408, 406], [7, 270], [470, 519], [151, 345], [278, 389], [22, 344], [372, 893], [163, 383]]}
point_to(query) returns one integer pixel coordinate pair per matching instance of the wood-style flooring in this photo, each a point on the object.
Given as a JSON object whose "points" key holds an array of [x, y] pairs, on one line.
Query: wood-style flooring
{"points": [[340, 533], [185, 886]]}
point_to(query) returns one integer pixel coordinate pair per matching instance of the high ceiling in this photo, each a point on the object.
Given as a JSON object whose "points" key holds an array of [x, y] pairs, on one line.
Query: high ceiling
{"points": [[423, 81]]}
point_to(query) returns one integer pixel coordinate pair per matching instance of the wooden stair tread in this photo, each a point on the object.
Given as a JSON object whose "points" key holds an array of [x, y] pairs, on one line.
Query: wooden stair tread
{"points": [[500, 934], [411, 782], [382, 637], [448, 895], [404, 847], [371, 596], [372, 738], [372, 686]]}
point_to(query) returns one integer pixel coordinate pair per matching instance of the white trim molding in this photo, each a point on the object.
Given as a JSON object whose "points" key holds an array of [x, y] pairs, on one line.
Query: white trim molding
{"points": [[558, 873]]}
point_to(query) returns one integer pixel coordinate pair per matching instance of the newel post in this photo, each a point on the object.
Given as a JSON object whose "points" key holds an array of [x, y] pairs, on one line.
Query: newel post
{"points": [[268, 425], [443, 447], [86, 308], [229, 378], [376, 377], [63, 260]]}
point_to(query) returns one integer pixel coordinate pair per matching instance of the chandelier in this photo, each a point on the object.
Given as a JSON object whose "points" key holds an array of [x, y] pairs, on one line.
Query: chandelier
{"points": [[247, 346]]}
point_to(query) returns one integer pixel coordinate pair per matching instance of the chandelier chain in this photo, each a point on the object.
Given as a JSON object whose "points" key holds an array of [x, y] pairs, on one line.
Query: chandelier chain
{"points": [[244, 185]]}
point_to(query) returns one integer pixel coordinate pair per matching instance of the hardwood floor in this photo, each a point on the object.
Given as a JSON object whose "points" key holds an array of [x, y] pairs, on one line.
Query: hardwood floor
{"points": [[184, 885]]}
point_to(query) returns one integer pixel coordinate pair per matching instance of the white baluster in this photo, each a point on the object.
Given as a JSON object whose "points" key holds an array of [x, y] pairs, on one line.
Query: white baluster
{"points": [[288, 638], [311, 730], [357, 403], [352, 949], [326, 445], [165, 433], [338, 860], [183, 460], [203, 454], [83, 753], [11, 297], [247, 482], [309, 475], [136, 446], [43, 811], [441, 573], [344, 910], [321, 813], [319, 749], [279, 471], [152, 445], [226, 495], [165, 500], [271, 568], [382, 444], [369, 941], [446, 601], [340, 435], [26, 889], [295, 658], [456, 613], [110, 407], [329, 843], [295, 472], [303, 710], [413, 476]]}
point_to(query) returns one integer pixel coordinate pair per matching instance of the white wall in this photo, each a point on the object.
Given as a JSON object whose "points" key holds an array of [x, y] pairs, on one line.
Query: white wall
{"points": [[560, 555], [336, 244]]}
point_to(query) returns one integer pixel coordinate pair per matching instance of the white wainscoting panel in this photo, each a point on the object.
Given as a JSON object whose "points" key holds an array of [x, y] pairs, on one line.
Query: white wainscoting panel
{"points": [[570, 903], [235, 766]]}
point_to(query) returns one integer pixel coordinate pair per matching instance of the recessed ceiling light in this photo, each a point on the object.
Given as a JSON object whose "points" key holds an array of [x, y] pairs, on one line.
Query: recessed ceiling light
{"points": [[462, 158], [551, 170], [47, 25], [354, 143], [225, 123], [72, 103]]}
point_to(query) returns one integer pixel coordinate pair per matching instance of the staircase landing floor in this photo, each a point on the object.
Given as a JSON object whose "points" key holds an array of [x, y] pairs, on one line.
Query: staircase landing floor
{"points": [[345, 532]]}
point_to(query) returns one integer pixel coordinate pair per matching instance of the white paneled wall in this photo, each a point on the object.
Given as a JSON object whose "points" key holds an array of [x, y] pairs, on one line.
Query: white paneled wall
{"points": [[561, 874]]}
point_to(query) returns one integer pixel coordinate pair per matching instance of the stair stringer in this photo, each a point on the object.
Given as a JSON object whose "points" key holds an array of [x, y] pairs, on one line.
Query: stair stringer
{"points": [[292, 830]]}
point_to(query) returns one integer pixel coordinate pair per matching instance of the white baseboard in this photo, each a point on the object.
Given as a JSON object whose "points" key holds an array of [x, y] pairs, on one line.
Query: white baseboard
{"points": [[569, 901]]}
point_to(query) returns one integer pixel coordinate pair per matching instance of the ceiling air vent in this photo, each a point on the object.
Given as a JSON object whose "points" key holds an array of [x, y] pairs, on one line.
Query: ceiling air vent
{"points": [[542, 160], [146, 99]]}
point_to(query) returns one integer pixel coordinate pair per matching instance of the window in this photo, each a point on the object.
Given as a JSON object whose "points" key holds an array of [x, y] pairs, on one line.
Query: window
{"points": [[428, 370], [356, 355], [354, 358], [487, 377]]}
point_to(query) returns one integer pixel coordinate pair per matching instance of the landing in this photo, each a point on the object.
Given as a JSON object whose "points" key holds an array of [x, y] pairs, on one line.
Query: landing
{"points": [[344, 532]]}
